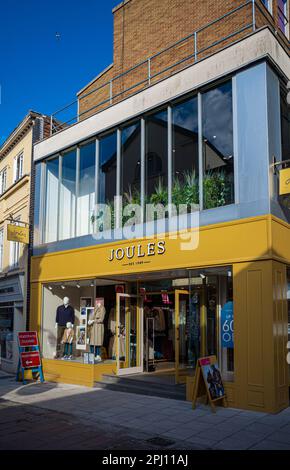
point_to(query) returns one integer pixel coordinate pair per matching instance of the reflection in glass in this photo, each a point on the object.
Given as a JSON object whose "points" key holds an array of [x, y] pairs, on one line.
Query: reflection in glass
{"points": [[36, 206], [86, 192], [285, 126], [218, 158], [67, 196], [131, 164], [107, 169], [51, 209], [185, 153], [156, 158]]}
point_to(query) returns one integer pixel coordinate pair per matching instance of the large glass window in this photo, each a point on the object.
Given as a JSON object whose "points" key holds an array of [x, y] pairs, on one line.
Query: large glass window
{"points": [[285, 126], [67, 196], [3, 180], [86, 192], [218, 157], [157, 157], [107, 169], [51, 212], [37, 204], [185, 188], [1, 247], [131, 164], [6, 330]]}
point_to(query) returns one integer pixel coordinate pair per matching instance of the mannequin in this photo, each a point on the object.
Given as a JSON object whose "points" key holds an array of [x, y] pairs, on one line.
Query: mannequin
{"points": [[97, 330], [67, 340], [64, 314]]}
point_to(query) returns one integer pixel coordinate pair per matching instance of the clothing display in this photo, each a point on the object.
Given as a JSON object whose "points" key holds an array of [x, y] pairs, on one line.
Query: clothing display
{"points": [[96, 335], [158, 334], [64, 315]]}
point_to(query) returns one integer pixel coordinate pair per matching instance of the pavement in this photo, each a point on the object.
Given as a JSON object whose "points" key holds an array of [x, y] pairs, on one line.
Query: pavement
{"points": [[59, 416]]}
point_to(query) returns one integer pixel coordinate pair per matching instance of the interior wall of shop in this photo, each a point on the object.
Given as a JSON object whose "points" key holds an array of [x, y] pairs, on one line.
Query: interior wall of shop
{"points": [[261, 377]]}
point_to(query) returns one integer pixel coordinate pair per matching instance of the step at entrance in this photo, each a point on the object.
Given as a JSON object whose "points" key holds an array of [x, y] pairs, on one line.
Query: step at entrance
{"points": [[143, 384]]}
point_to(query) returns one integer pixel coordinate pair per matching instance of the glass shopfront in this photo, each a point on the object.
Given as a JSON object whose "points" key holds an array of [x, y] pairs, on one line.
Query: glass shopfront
{"points": [[159, 323], [6, 330]]}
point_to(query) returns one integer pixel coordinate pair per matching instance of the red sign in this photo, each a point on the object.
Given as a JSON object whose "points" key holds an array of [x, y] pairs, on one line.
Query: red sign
{"points": [[204, 361], [30, 359], [120, 289], [27, 339]]}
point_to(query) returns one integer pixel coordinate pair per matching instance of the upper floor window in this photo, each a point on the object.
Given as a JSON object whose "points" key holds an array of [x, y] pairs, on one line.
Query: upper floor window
{"points": [[1, 247], [18, 167], [3, 180], [156, 165], [283, 15], [107, 169], [285, 125], [268, 4], [218, 152], [67, 195], [86, 188], [14, 252]]}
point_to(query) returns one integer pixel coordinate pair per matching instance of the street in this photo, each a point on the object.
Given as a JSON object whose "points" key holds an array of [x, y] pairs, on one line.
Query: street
{"points": [[59, 416]]}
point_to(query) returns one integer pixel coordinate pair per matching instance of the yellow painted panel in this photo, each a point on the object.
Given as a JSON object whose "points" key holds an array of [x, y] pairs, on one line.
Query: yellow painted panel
{"points": [[218, 244], [284, 181], [280, 240]]}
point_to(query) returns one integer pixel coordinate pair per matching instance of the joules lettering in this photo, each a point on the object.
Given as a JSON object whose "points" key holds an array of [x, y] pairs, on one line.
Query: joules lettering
{"points": [[151, 249]]}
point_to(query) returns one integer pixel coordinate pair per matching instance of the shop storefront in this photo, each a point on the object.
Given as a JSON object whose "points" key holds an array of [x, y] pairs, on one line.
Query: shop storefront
{"points": [[158, 315]]}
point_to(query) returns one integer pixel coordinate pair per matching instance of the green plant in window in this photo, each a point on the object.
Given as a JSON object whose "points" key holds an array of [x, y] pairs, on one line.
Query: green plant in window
{"points": [[191, 188], [132, 196], [216, 189], [160, 196]]}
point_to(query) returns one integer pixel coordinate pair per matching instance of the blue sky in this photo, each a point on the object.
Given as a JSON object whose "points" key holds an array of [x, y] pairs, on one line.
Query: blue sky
{"points": [[39, 71]]}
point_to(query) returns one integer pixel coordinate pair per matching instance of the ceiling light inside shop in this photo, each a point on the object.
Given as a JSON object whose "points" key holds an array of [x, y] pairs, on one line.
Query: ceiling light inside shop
{"points": [[78, 286], [63, 287], [50, 288]]}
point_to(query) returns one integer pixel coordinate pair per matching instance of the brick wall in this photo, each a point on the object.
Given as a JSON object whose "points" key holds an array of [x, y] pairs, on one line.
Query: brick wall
{"points": [[143, 28]]}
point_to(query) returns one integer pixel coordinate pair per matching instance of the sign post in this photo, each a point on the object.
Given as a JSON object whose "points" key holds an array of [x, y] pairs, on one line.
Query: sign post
{"points": [[29, 355]]}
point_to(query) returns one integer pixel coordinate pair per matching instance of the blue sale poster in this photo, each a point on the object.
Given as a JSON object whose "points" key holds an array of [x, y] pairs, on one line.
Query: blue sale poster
{"points": [[227, 325]]}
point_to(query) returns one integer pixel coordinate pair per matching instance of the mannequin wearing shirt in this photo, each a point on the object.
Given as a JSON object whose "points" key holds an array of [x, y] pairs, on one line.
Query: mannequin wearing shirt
{"points": [[64, 314]]}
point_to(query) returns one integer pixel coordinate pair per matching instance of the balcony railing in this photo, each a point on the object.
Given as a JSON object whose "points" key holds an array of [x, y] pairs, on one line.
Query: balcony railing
{"points": [[237, 23]]}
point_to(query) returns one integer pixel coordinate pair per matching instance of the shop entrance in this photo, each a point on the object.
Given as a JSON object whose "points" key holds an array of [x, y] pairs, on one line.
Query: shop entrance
{"points": [[129, 350]]}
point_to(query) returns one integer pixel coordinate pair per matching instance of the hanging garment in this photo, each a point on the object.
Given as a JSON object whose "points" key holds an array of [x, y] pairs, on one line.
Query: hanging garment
{"points": [[159, 324], [97, 328]]}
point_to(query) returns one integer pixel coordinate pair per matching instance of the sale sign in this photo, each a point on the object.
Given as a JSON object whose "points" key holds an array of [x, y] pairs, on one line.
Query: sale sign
{"points": [[227, 325], [27, 339], [30, 359]]}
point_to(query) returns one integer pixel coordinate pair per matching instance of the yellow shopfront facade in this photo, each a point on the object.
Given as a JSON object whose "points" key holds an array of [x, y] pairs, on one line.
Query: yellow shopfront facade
{"points": [[243, 262]]}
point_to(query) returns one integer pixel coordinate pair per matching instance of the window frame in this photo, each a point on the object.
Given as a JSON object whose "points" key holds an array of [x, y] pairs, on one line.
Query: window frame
{"points": [[3, 178], [1, 248], [18, 166]]}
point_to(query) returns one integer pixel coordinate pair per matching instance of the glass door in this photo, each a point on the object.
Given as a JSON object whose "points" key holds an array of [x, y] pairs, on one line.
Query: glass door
{"points": [[129, 350], [181, 316]]}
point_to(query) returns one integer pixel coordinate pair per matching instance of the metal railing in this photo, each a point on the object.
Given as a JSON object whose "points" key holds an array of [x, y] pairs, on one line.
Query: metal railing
{"points": [[116, 93]]}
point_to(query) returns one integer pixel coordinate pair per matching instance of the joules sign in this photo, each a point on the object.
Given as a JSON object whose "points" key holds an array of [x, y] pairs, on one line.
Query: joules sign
{"points": [[138, 251]]}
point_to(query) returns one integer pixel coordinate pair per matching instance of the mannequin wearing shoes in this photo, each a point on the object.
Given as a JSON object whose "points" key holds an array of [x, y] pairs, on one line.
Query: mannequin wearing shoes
{"points": [[64, 314], [96, 334]]}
